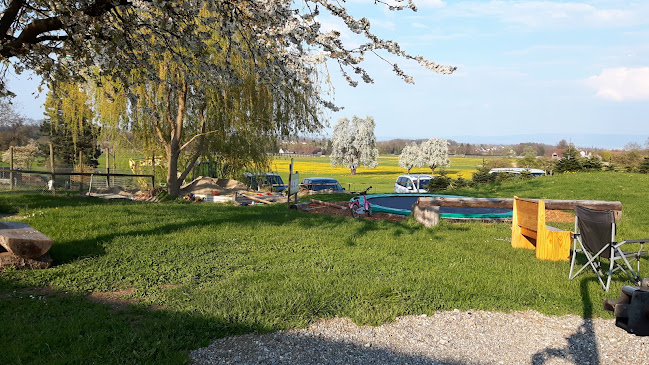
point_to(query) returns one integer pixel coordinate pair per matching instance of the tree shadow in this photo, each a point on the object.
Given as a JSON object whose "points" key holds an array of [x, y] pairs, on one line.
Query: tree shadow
{"points": [[69, 328], [582, 345], [32, 200], [68, 250]]}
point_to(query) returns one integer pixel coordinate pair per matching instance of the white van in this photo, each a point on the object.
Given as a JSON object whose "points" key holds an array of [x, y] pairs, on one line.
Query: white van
{"points": [[412, 184], [517, 171]]}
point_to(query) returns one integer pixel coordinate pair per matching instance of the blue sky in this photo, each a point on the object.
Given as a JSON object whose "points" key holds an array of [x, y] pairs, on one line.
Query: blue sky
{"points": [[533, 71]]}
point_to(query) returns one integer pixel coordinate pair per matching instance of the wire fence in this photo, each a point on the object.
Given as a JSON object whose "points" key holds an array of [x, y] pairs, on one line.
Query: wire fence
{"points": [[47, 175]]}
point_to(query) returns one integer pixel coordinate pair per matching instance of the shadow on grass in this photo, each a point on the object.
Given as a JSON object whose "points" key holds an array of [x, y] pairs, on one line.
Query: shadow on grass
{"points": [[34, 200], [65, 251], [65, 328], [582, 345]]}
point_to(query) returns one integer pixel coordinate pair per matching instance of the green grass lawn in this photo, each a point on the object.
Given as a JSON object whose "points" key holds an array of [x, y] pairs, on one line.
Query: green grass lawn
{"points": [[195, 272]]}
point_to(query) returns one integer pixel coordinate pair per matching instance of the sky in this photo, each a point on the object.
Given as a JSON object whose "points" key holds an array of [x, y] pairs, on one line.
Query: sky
{"points": [[528, 71], [537, 71]]}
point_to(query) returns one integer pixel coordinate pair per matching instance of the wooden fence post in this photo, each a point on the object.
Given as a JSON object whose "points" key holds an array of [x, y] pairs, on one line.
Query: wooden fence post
{"points": [[81, 177], [107, 167], [53, 175], [153, 173], [11, 168]]}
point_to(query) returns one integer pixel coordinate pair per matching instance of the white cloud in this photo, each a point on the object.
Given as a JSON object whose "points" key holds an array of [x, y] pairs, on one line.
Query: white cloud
{"points": [[552, 15], [621, 83]]}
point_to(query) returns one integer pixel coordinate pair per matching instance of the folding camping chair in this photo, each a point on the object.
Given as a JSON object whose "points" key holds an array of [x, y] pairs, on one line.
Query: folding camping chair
{"points": [[595, 233]]}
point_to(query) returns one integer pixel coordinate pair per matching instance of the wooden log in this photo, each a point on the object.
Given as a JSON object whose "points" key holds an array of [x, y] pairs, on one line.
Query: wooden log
{"points": [[426, 215], [506, 203], [254, 198], [326, 204], [23, 241], [555, 204], [503, 203]]}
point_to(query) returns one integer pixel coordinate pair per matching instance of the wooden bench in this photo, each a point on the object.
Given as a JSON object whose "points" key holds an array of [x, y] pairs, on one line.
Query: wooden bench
{"points": [[530, 231]]}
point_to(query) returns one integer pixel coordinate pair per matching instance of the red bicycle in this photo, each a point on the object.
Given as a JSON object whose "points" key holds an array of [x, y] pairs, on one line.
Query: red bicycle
{"points": [[356, 207]]}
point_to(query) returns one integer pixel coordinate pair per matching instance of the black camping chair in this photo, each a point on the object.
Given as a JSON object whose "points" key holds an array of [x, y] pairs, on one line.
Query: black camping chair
{"points": [[595, 233]]}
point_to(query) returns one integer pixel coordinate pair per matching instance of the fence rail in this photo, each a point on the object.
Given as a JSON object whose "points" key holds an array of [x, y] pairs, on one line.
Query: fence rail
{"points": [[12, 176]]}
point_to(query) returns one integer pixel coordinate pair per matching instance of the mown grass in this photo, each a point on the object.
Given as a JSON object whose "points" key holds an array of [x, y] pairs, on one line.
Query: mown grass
{"points": [[202, 271]]}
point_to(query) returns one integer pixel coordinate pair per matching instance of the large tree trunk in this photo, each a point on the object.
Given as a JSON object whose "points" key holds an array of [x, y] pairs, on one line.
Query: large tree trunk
{"points": [[353, 170], [173, 184]]}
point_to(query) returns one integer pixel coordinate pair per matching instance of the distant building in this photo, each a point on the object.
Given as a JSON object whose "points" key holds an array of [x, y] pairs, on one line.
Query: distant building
{"points": [[554, 154]]}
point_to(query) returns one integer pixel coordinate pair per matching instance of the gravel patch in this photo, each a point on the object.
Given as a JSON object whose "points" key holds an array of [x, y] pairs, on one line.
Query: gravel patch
{"points": [[454, 337]]}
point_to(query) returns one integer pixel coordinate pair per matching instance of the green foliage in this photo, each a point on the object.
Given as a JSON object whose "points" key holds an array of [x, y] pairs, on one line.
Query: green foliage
{"points": [[570, 162], [15, 129], [526, 174], [547, 164], [461, 182], [482, 176], [439, 183], [644, 166], [592, 163], [628, 159], [499, 163], [529, 161], [68, 125], [605, 155]]}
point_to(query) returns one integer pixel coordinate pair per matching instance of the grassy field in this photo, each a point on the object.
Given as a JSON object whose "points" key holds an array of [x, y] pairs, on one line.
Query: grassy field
{"points": [[172, 276]]}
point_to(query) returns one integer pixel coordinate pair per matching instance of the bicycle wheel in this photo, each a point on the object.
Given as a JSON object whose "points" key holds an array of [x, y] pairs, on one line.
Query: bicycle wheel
{"points": [[369, 210], [353, 209]]}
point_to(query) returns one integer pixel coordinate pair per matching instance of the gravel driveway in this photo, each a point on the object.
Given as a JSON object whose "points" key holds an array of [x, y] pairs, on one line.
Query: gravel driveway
{"points": [[454, 337]]}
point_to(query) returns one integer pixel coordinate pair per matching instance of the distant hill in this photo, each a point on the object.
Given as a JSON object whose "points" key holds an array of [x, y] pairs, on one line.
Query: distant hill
{"points": [[591, 141]]}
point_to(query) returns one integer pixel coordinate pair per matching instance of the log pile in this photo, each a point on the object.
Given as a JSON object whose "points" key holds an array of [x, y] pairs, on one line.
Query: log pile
{"points": [[23, 247]]}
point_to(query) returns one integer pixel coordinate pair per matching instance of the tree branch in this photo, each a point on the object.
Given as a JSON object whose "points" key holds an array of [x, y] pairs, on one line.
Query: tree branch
{"points": [[31, 33], [156, 126], [199, 150], [9, 16]]}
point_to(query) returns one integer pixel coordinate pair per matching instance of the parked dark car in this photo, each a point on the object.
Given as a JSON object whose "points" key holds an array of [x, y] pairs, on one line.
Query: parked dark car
{"points": [[322, 183], [264, 180]]}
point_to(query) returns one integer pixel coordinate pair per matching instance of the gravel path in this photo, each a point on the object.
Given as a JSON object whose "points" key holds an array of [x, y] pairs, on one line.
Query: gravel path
{"points": [[474, 337]]}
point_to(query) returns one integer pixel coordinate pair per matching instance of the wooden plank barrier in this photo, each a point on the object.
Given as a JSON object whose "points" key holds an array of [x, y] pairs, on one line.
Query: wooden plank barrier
{"points": [[507, 203]]}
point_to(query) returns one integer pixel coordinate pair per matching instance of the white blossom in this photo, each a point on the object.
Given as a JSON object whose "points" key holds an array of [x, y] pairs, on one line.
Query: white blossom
{"points": [[410, 156], [354, 143], [434, 153], [107, 34]]}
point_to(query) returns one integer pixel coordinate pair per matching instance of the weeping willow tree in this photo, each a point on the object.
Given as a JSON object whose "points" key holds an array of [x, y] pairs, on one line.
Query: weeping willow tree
{"points": [[69, 124], [231, 109]]}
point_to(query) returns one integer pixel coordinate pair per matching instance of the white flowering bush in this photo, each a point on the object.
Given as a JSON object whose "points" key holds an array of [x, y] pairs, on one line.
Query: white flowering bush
{"points": [[410, 156], [434, 154], [24, 156], [353, 144]]}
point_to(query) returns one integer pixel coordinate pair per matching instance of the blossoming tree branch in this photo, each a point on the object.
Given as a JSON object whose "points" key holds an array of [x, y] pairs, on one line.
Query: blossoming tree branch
{"points": [[193, 75]]}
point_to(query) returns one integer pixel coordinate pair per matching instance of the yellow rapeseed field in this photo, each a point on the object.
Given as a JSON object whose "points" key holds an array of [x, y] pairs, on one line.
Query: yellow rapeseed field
{"points": [[382, 177]]}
